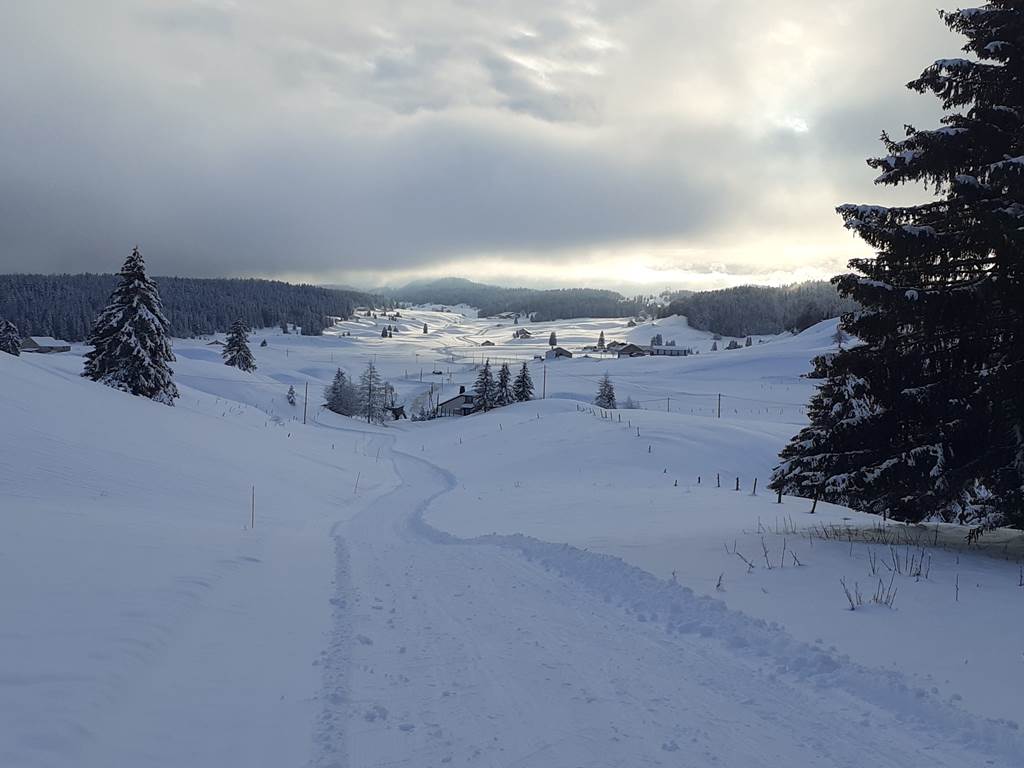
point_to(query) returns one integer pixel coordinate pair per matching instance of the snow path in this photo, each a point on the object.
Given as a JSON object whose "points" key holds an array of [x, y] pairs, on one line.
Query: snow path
{"points": [[451, 652]]}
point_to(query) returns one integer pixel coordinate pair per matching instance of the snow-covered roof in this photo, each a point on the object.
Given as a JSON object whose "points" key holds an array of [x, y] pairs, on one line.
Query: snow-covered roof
{"points": [[48, 341]]}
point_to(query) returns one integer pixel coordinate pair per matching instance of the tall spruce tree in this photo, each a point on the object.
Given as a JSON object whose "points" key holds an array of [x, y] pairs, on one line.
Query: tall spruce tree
{"points": [[552, 340], [600, 340], [290, 396], [942, 325], [10, 339], [236, 351], [130, 348], [522, 387], [486, 391], [371, 395], [504, 389], [605, 393]]}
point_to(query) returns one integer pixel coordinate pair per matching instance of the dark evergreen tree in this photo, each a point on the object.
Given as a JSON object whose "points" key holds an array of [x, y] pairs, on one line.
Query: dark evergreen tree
{"points": [[340, 395], [424, 327], [236, 351], [600, 341], [552, 340], [372, 395], [284, 326], [384, 333], [605, 393], [749, 342], [714, 346], [263, 343], [942, 325], [130, 348], [290, 397], [10, 339], [823, 459], [504, 390], [486, 391], [522, 387]]}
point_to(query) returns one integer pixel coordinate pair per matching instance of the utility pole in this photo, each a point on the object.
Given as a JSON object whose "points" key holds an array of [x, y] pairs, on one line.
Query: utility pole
{"points": [[719, 406], [305, 400], [544, 390], [252, 519], [668, 405]]}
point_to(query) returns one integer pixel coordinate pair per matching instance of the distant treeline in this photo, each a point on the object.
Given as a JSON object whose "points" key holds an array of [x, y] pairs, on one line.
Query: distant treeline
{"points": [[758, 309], [541, 305], [64, 306]]}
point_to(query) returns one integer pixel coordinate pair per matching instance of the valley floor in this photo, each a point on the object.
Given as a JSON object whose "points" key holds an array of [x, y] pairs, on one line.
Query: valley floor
{"points": [[405, 597]]}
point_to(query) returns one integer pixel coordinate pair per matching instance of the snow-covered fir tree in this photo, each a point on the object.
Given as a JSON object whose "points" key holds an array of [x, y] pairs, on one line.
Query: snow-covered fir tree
{"points": [[605, 393], [504, 387], [825, 459], [485, 388], [340, 395], [10, 339], [130, 348], [600, 340], [522, 387], [942, 326], [372, 395], [236, 352], [839, 337], [290, 397]]}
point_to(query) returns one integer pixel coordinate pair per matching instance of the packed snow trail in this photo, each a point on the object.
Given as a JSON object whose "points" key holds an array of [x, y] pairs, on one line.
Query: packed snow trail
{"points": [[468, 653]]}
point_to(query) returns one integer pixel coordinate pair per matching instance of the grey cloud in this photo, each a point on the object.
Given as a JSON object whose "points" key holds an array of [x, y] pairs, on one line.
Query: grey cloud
{"points": [[269, 138]]}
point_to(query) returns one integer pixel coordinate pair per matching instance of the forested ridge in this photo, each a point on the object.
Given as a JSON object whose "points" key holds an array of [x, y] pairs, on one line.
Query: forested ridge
{"points": [[65, 306], [541, 305], [760, 309]]}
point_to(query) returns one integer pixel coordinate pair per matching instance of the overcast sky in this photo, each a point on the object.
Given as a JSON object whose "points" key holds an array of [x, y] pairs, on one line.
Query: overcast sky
{"points": [[629, 143]]}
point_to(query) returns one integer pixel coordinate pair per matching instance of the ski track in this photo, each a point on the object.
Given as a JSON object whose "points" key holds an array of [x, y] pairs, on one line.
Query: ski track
{"points": [[508, 651]]}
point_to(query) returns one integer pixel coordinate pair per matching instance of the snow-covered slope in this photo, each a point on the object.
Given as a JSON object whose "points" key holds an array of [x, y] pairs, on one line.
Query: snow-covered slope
{"points": [[610, 621], [144, 622]]}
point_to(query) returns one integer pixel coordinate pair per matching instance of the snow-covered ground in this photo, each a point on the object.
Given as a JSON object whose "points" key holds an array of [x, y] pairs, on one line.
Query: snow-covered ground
{"points": [[542, 585]]}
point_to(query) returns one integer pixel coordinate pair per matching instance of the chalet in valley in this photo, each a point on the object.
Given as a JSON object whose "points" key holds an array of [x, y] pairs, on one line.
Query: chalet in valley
{"points": [[44, 345], [462, 404]]}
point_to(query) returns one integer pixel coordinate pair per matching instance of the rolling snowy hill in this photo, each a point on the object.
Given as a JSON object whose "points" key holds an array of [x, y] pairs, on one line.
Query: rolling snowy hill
{"points": [[535, 586]]}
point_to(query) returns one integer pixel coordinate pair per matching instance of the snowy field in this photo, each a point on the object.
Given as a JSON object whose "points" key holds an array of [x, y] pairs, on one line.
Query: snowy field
{"points": [[543, 585]]}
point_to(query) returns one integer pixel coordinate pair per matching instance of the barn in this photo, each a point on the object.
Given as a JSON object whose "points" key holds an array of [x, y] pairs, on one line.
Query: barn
{"points": [[44, 345]]}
